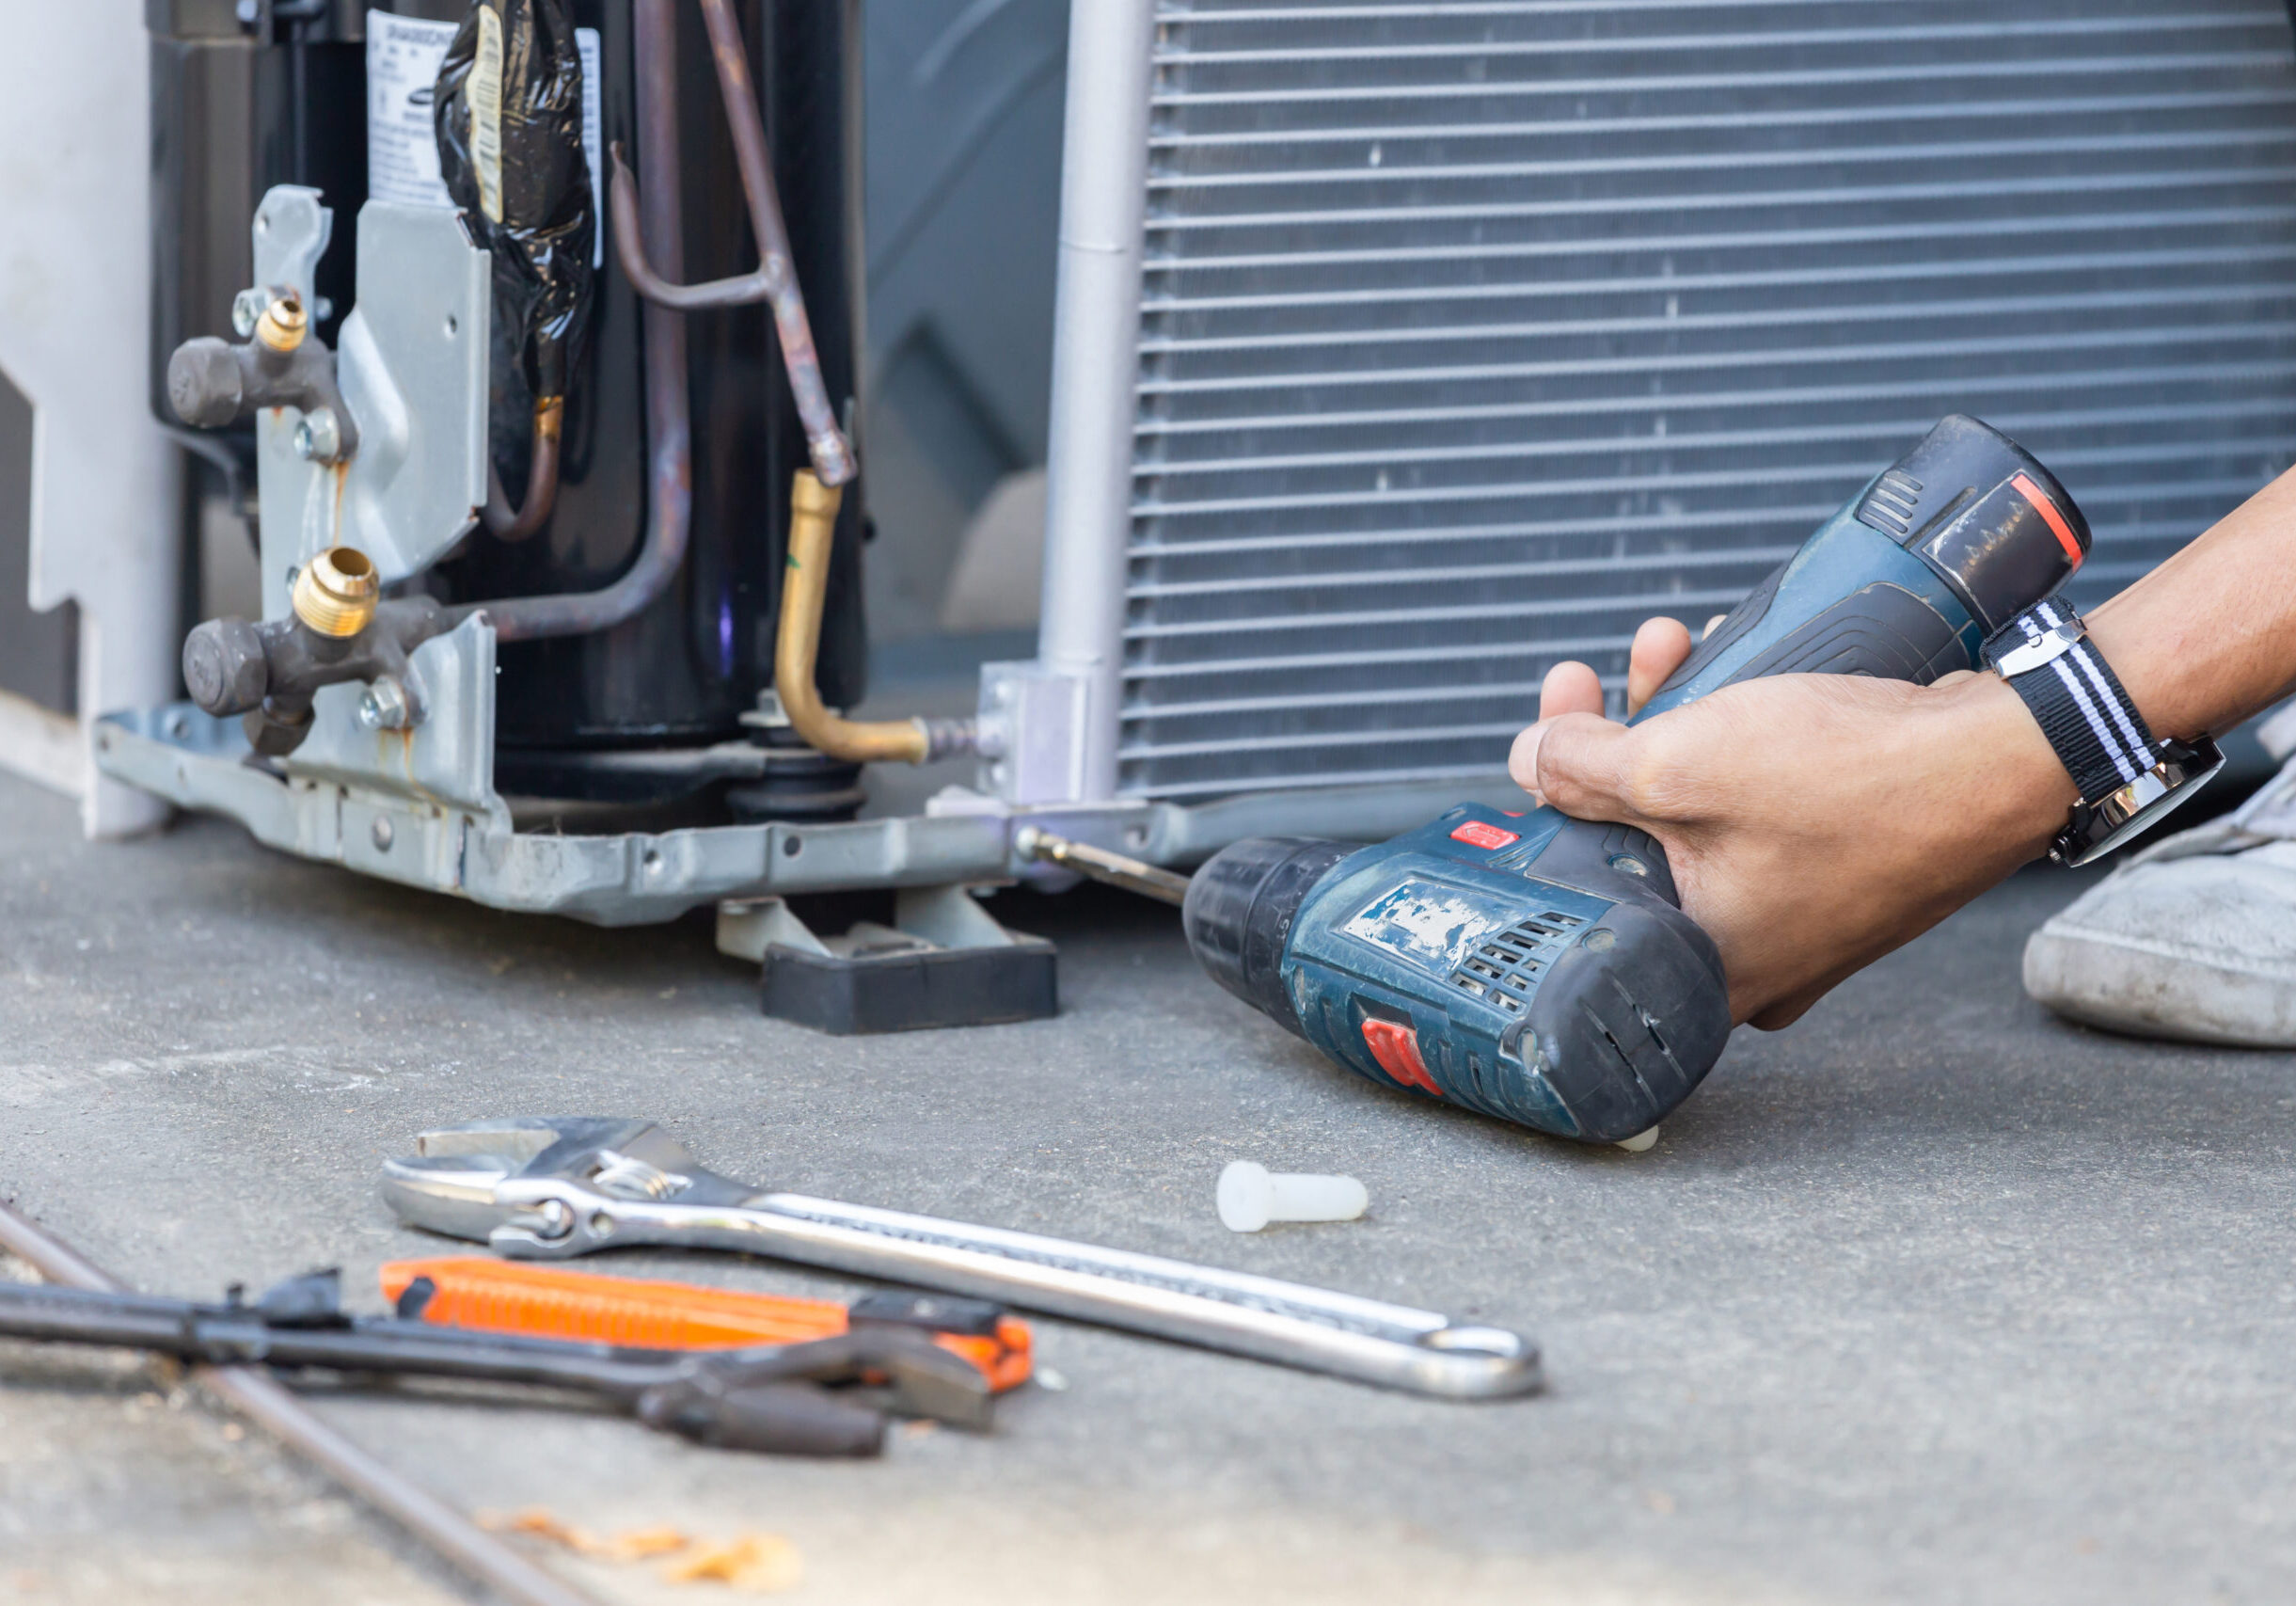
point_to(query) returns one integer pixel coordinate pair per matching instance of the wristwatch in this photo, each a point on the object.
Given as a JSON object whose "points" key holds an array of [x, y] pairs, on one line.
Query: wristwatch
{"points": [[2126, 778]]}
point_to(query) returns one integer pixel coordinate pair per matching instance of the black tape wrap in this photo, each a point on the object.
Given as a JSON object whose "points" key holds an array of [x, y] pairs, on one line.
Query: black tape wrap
{"points": [[508, 114]]}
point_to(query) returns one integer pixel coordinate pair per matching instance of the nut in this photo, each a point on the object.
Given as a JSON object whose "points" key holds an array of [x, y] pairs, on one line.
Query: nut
{"points": [[274, 734], [246, 306], [335, 593], [385, 707], [318, 436], [223, 666]]}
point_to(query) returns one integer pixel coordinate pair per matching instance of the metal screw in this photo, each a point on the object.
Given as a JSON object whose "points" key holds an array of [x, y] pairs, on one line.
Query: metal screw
{"points": [[318, 436], [383, 834], [246, 306], [386, 706], [551, 1219]]}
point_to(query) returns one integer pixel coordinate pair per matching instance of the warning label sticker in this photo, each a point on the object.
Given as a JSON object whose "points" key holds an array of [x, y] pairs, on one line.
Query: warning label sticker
{"points": [[1430, 924], [402, 57]]}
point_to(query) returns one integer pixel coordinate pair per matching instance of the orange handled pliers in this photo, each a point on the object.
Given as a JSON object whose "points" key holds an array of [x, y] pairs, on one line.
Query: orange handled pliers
{"points": [[505, 1296]]}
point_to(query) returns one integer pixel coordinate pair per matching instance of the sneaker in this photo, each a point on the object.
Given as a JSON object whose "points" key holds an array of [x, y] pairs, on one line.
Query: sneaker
{"points": [[2194, 939]]}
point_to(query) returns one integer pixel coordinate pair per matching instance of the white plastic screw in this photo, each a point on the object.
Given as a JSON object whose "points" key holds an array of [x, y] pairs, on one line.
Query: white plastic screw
{"points": [[1251, 1195], [1641, 1142]]}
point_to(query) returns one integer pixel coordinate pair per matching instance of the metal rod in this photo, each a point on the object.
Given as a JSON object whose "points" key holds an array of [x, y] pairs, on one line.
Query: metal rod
{"points": [[1132, 875], [668, 429], [262, 1399], [775, 279]]}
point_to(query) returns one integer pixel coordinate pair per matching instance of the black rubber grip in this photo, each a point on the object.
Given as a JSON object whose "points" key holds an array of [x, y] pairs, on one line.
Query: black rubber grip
{"points": [[1885, 632], [774, 1418], [1744, 617]]}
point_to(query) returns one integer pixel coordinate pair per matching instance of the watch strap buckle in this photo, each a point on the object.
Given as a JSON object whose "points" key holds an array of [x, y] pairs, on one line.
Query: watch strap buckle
{"points": [[2032, 652]]}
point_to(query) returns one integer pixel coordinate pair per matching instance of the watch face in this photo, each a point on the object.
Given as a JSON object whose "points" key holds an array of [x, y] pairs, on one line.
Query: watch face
{"points": [[2097, 829]]}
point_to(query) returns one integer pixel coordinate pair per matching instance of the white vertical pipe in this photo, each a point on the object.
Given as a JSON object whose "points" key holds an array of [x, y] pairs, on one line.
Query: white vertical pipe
{"points": [[1096, 335], [75, 308]]}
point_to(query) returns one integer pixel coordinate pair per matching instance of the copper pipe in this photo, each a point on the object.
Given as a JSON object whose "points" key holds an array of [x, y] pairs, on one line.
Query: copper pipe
{"points": [[813, 523], [502, 521], [775, 279], [670, 517]]}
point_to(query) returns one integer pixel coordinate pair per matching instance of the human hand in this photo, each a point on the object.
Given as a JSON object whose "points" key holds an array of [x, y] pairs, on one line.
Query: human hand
{"points": [[1812, 822]]}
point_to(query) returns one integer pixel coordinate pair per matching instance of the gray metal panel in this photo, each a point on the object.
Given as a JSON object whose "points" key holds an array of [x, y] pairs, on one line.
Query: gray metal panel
{"points": [[39, 652], [1476, 332]]}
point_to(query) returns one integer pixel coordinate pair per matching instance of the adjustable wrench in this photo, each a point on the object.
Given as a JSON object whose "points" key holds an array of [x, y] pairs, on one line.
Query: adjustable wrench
{"points": [[549, 1189]]}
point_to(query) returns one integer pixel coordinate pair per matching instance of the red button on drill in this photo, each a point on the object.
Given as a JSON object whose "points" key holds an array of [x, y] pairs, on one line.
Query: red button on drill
{"points": [[1396, 1046], [1475, 833]]}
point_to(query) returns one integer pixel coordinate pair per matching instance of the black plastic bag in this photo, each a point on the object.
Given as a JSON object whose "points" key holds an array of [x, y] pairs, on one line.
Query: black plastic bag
{"points": [[509, 111]]}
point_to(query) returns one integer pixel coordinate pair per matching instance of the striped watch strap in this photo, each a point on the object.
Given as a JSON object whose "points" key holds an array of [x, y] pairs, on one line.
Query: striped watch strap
{"points": [[2089, 720]]}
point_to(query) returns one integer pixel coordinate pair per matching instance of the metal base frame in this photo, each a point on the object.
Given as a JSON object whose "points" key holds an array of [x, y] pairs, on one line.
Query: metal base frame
{"points": [[372, 824]]}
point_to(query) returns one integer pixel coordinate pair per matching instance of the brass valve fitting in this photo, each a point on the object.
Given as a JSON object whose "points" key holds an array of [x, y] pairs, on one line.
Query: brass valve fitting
{"points": [[335, 594], [282, 325]]}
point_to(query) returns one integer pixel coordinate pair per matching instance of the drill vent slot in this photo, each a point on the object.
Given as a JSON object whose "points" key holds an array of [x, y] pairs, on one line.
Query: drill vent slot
{"points": [[1503, 970], [1890, 505]]}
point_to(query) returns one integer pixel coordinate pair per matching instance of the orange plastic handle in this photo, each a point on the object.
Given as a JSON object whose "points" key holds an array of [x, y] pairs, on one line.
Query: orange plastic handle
{"points": [[504, 1296]]}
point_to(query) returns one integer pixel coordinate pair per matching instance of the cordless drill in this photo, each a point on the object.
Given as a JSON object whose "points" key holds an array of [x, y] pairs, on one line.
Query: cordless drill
{"points": [[1539, 968]]}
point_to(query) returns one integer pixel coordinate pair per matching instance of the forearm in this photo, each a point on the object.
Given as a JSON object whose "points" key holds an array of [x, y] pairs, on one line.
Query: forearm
{"points": [[2209, 637], [1814, 822]]}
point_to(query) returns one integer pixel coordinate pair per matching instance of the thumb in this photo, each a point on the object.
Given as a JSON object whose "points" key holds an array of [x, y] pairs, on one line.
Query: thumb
{"points": [[1583, 765]]}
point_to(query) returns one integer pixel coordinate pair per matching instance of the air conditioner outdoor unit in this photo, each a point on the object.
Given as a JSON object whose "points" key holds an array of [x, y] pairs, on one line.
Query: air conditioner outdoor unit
{"points": [[1405, 348]]}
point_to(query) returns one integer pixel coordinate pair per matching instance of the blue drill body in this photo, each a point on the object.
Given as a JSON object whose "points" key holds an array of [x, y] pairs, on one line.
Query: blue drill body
{"points": [[1539, 968]]}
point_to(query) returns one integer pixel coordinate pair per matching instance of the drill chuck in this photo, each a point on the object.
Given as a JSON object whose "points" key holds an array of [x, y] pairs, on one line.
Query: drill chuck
{"points": [[1239, 910]]}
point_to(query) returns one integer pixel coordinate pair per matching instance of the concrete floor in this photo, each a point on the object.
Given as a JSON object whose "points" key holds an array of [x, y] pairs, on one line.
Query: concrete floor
{"points": [[1931, 1299]]}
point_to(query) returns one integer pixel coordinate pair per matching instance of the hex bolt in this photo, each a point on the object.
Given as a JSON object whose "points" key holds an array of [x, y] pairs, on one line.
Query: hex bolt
{"points": [[274, 732], [386, 706], [1251, 1195], [382, 834], [318, 436]]}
